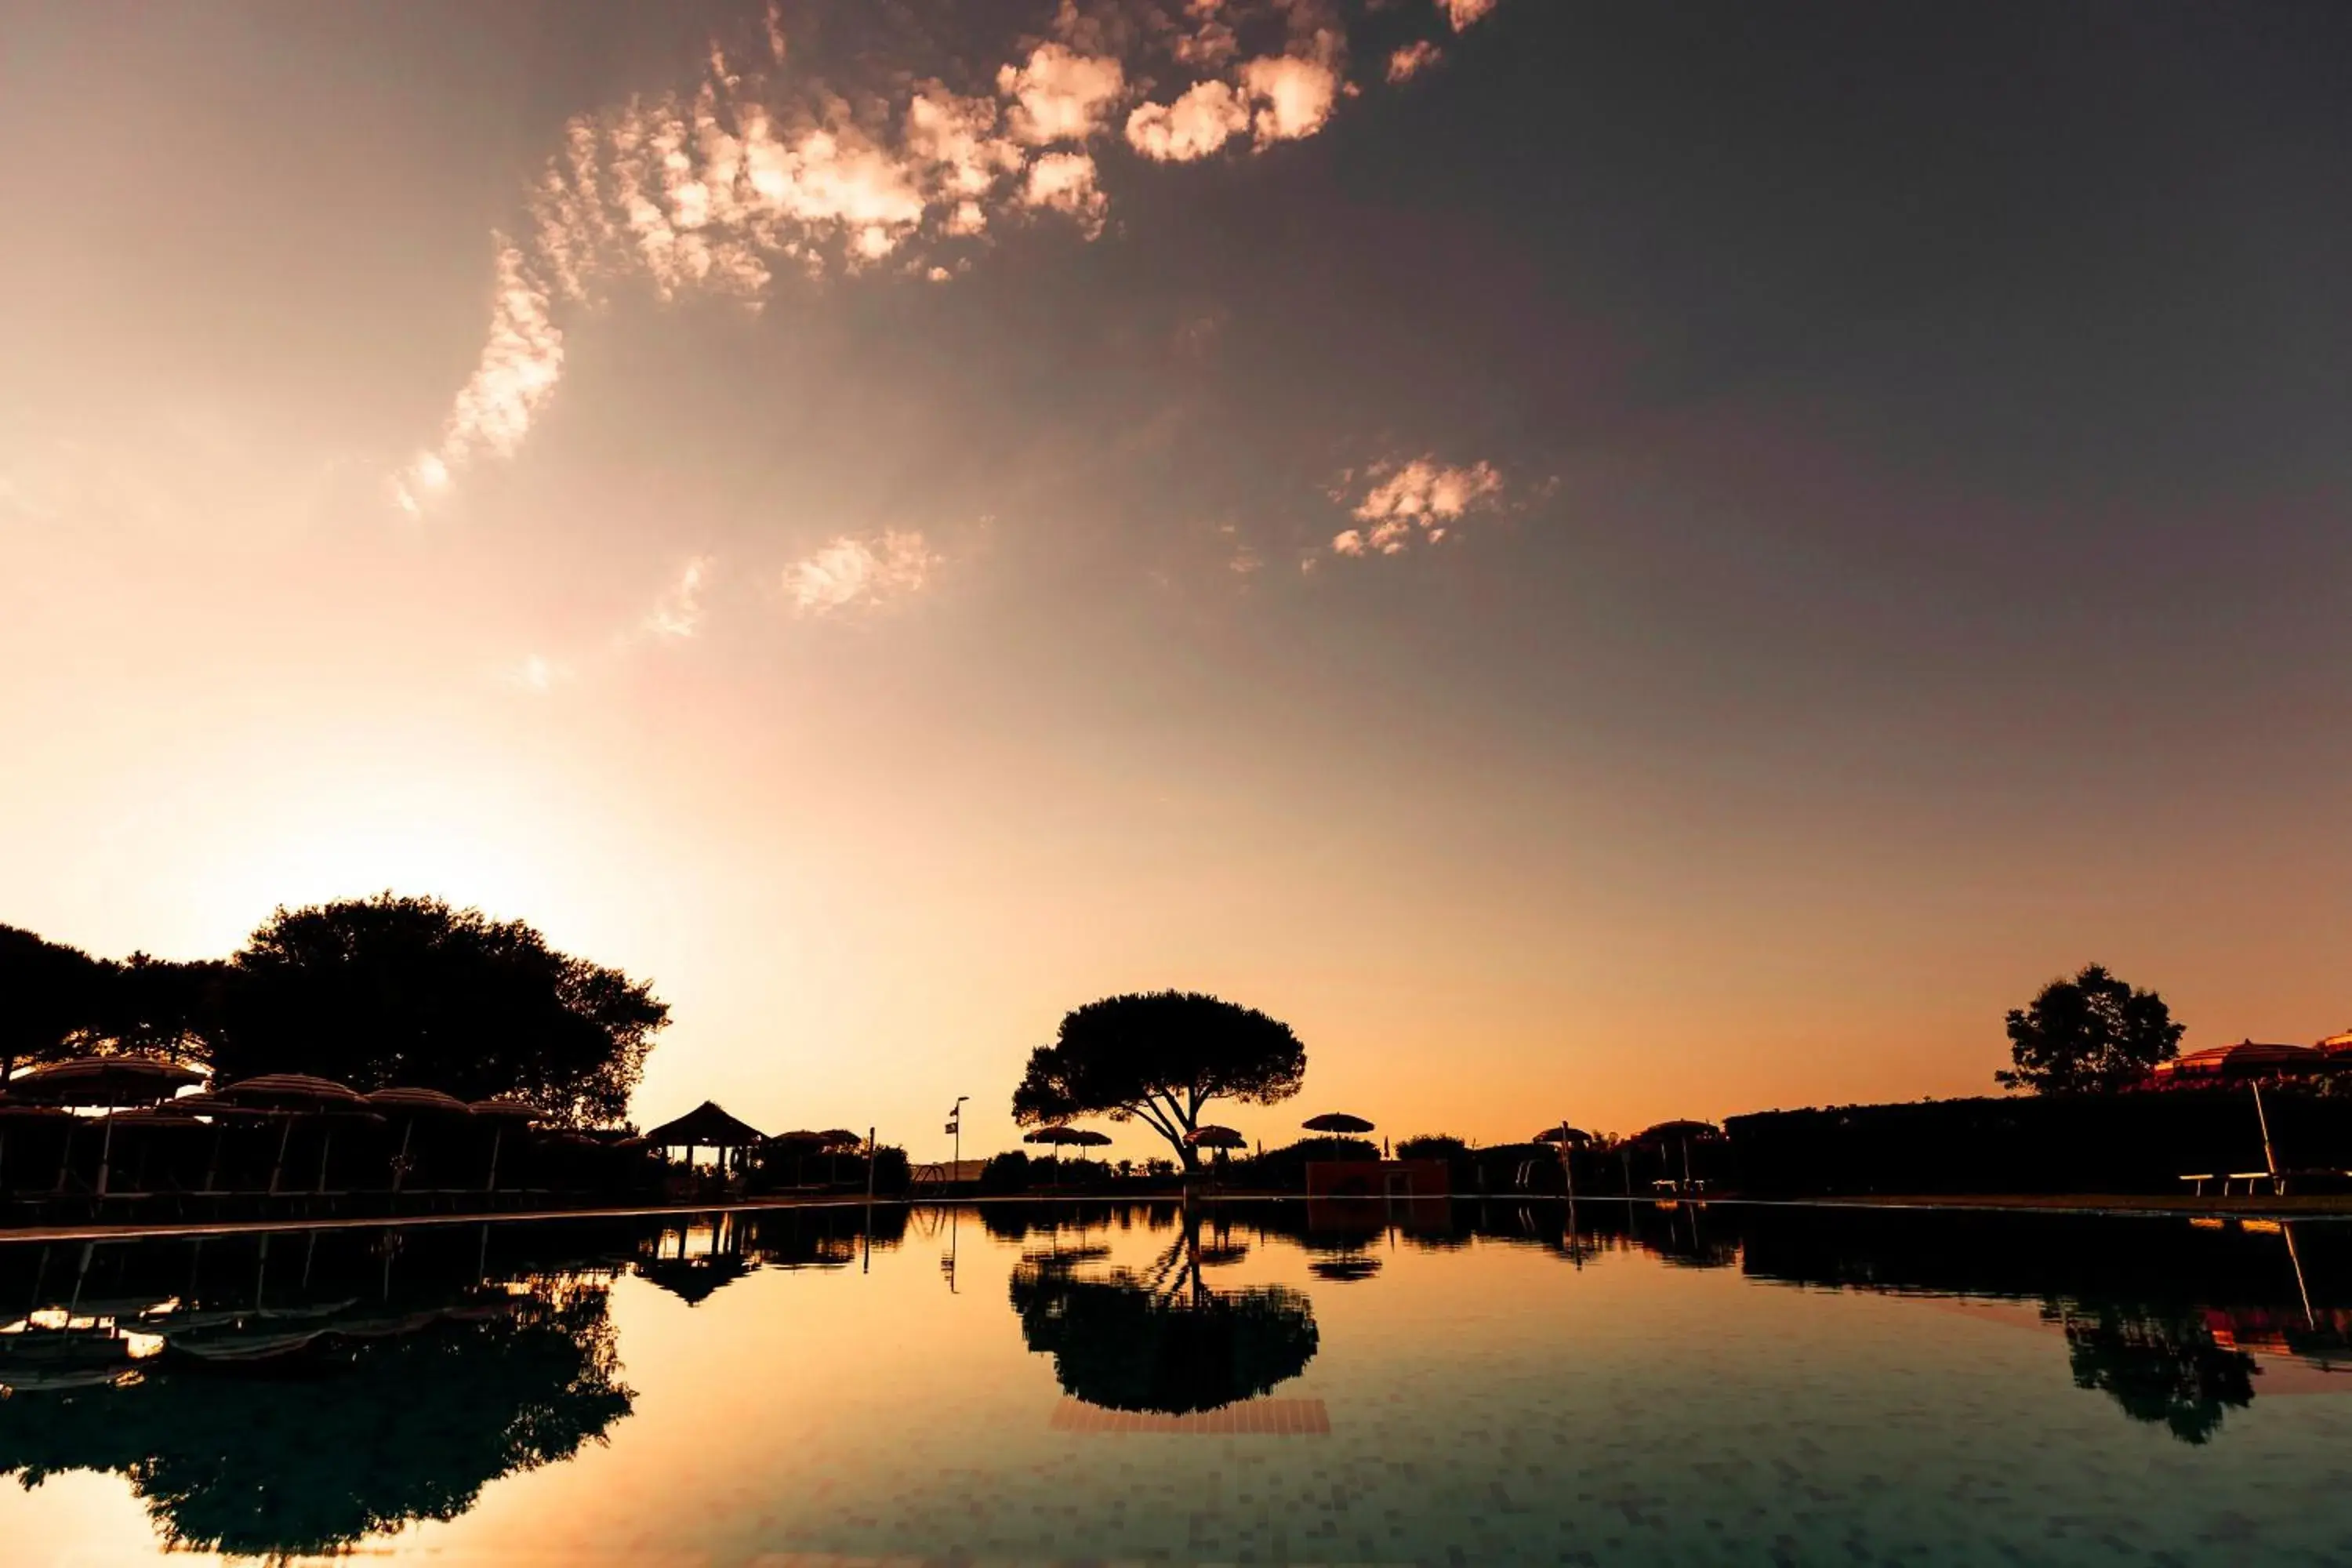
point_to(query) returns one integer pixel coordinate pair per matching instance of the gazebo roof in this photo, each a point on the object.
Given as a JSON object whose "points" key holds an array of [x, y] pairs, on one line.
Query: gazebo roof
{"points": [[707, 1126]]}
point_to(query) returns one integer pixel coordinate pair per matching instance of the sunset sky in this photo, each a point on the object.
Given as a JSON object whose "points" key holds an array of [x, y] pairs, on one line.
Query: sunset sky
{"points": [[1614, 561]]}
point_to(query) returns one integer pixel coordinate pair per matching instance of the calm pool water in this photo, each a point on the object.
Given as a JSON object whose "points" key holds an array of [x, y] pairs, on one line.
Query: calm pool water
{"points": [[1032, 1384]]}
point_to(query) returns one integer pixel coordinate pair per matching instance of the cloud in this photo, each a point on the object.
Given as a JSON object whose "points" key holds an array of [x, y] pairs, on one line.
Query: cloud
{"points": [[1198, 124], [851, 571], [1064, 182], [537, 674], [1412, 59], [1294, 97], [1417, 499], [518, 371], [677, 614], [720, 190], [1061, 95]]}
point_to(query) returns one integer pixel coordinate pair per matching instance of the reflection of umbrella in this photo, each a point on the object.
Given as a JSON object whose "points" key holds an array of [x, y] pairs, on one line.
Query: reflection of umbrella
{"points": [[1344, 1270], [1214, 1137], [45, 1359], [1336, 1122]]}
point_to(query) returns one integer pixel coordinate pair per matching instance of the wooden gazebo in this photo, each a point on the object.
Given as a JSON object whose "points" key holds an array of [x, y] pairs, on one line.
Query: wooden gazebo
{"points": [[707, 1126]]}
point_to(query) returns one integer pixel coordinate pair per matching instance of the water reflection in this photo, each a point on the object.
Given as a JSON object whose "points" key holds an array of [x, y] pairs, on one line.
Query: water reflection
{"points": [[313, 1391], [694, 1257], [269, 1395], [1157, 1340]]}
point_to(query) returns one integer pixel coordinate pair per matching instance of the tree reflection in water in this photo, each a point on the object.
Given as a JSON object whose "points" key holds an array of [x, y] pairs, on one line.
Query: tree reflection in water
{"points": [[1159, 1340], [2159, 1367], [303, 1423]]}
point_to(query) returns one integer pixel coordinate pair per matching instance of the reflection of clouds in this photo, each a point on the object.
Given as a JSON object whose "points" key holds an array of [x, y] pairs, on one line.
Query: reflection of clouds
{"points": [[719, 189]]}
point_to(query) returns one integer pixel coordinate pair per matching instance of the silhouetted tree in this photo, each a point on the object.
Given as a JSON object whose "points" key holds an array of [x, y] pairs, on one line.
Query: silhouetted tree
{"points": [[2091, 1033], [48, 993], [1158, 1058], [162, 1005], [391, 990]]}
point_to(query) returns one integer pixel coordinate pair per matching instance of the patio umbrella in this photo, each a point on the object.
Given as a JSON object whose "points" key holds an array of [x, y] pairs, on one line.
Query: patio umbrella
{"points": [[1214, 1137], [1067, 1137], [409, 1104], [14, 1114], [222, 1115], [501, 1110], [833, 1141], [1574, 1136], [1336, 1122], [291, 1092], [108, 1081], [155, 1119]]}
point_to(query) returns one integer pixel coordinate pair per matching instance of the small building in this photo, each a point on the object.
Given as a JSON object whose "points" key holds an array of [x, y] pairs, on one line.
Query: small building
{"points": [[707, 1126]]}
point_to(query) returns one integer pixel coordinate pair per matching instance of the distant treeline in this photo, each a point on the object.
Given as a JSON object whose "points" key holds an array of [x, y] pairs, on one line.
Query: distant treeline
{"points": [[1601, 1170]]}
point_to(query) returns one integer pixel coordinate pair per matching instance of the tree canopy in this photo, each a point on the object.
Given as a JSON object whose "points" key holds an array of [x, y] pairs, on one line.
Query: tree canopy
{"points": [[58, 1001], [2088, 1034], [1158, 1058], [391, 990], [49, 992]]}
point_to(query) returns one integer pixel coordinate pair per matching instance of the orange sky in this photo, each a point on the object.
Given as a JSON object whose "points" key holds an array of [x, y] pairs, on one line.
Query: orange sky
{"points": [[1359, 556]]}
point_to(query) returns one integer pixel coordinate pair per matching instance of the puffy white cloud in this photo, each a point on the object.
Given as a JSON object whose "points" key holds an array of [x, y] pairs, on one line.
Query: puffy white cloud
{"points": [[520, 362], [677, 614], [722, 189], [1065, 183], [1412, 59], [1419, 499], [1293, 95], [851, 571], [1203, 120], [1061, 95], [956, 138]]}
